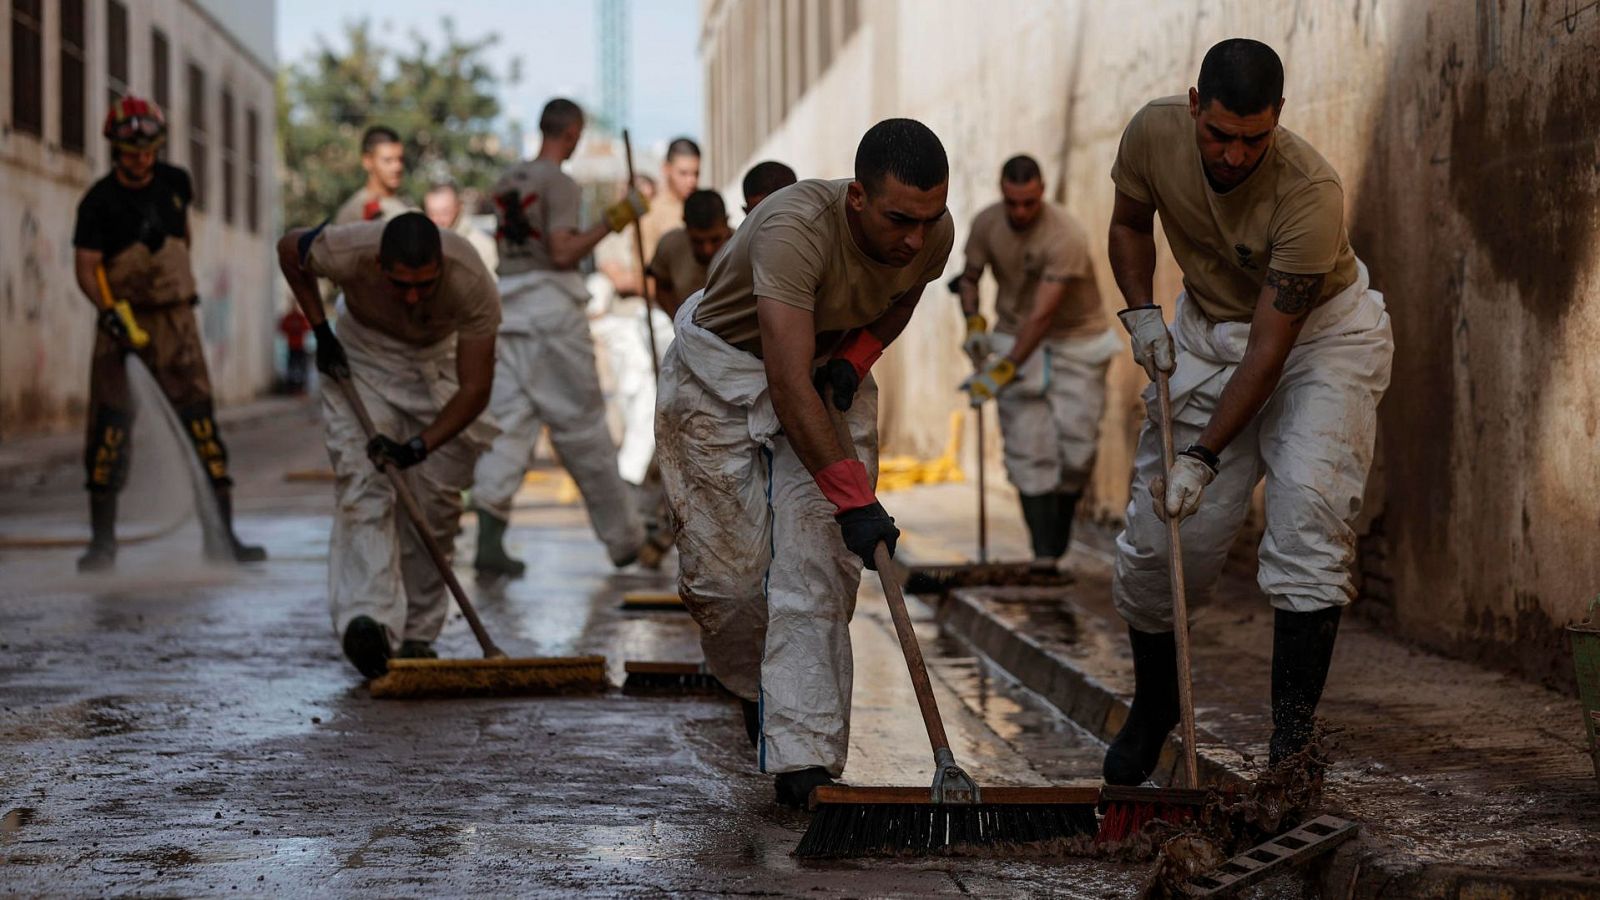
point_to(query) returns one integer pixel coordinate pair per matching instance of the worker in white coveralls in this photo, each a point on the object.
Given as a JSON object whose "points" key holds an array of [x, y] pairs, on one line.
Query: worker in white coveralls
{"points": [[417, 341], [546, 371], [1279, 353], [1045, 363], [773, 516]]}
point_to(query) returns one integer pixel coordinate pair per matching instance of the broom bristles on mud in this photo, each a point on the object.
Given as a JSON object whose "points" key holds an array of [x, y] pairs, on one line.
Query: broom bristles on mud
{"points": [[653, 601], [1127, 810], [500, 677], [936, 579], [669, 678], [844, 828]]}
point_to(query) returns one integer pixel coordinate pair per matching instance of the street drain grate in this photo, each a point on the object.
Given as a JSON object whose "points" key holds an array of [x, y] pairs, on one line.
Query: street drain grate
{"points": [[1291, 848]]}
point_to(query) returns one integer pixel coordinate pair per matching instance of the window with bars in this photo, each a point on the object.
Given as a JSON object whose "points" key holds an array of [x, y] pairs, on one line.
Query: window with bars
{"points": [[116, 51], [229, 162], [252, 170], [70, 29], [27, 67], [160, 70], [197, 134]]}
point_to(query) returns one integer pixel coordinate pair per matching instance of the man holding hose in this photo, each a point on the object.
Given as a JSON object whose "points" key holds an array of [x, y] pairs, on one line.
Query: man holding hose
{"points": [[417, 342], [774, 515], [1278, 355]]}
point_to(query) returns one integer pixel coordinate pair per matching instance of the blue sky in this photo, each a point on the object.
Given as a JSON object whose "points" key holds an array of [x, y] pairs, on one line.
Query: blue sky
{"points": [[556, 40]]}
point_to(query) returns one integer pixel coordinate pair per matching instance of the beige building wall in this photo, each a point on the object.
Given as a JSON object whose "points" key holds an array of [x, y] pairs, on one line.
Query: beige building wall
{"points": [[47, 325], [1466, 136]]}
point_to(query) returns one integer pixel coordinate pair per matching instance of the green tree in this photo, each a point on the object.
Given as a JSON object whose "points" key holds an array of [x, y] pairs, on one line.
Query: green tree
{"points": [[441, 99]]}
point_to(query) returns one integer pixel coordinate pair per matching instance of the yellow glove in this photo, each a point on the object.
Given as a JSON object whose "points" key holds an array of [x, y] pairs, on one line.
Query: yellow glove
{"points": [[626, 211], [986, 385], [977, 344]]}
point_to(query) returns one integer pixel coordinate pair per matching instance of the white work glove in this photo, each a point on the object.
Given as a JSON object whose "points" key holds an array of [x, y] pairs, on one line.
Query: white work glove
{"points": [[1152, 342], [1178, 495], [978, 345]]}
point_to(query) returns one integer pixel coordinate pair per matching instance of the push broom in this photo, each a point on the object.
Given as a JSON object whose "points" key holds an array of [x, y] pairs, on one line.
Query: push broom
{"points": [[890, 821], [1128, 809], [496, 674]]}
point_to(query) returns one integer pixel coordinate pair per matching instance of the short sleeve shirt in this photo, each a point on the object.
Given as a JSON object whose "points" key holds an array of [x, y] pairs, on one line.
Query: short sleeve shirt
{"points": [[1287, 215], [1054, 248], [674, 264], [466, 302], [796, 249], [532, 200], [365, 207], [142, 235]]}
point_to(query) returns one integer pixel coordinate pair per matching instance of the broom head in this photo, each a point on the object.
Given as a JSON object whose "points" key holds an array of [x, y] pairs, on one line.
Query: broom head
{"points": [[499, 677], [653, 601], [1126, 810], [896, 821], [943, 579], [669, 678]]}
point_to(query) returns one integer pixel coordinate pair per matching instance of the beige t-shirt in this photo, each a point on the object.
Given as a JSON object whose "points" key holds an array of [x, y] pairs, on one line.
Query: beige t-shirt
{"points": [[365, 207], [1288, 215], [466, 302], [666, 213], [531, 200], [674, 264], [796, 249], [1055, 248]]}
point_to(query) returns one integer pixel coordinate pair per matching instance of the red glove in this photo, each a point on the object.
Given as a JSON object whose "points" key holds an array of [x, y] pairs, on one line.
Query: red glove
{"points": [[846, 485], [372, 210], [861, 350], [843, 372]]}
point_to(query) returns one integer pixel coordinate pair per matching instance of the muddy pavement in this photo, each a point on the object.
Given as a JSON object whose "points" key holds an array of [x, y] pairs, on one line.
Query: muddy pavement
{"points": [[179, 729]]}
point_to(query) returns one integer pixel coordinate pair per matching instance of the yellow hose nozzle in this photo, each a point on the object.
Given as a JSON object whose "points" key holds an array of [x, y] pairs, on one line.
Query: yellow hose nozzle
{"points": [[138, 338]]}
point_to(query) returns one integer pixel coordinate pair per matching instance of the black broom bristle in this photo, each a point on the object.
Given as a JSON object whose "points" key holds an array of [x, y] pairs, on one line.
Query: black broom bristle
{"points": [[841, 830], [672, 683]]}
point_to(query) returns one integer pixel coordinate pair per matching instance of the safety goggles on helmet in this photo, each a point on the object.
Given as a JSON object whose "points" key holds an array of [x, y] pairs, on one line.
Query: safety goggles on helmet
{"points": [[134, 123]]}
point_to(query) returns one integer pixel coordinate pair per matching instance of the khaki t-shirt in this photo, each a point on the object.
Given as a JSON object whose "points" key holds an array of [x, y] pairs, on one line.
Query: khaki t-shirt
{"points": [[674, 264], [466, 302], [1055, 248], [1288, 215], [666, 213], [532, 199], [796, 249], [365, 207]]}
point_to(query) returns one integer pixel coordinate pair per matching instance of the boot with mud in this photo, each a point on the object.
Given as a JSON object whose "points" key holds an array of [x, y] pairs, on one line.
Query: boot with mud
{"points": [[1134, 753], [492, 558], [415, 649], [1040, 512], [235, 550], [752, 721], [366, 645], [1066, 510], [1302, 649], [102, 552], [794, 788]]}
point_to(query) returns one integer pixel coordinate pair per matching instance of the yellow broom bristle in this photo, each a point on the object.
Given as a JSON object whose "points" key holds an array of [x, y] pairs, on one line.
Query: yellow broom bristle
{"points": [[418, 678]]}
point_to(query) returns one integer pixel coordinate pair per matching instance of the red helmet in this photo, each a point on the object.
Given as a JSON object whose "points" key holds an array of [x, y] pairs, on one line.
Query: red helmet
{"points": [[134, 123]]}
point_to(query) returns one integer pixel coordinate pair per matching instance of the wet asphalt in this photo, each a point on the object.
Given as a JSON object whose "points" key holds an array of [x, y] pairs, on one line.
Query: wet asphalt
{"points": [[182, 729]]}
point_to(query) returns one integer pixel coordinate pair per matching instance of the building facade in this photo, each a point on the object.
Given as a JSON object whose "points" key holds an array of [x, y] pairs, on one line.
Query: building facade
{"points": [[211, 66], [1465, 136]]}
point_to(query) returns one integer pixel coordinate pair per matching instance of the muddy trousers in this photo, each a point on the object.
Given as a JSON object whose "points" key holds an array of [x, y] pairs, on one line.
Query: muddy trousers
{"points": [[176, 360], [377, 567], [545, 376], [1312, 442], [762, 566]]}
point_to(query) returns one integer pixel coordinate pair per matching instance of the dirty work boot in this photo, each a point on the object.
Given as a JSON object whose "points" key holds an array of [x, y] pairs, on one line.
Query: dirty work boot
{"points": [[1040, 512], [415, 649], [366, 645], [492, 557], [1302, 648], [1066, 509], [236, 550], [1134, 753], [752, 721], [794, 788], [102, 552]]}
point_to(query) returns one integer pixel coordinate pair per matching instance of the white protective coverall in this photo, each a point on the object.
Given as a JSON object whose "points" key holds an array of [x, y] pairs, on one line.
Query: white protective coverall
{"points": [[1050, 415], [621, 332], [763, 567], [545, 375], [377, 567], [1313, 441]]}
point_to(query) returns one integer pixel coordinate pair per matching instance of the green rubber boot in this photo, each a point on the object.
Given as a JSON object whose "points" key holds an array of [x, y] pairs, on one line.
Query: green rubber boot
{"points": [[492, 558]]}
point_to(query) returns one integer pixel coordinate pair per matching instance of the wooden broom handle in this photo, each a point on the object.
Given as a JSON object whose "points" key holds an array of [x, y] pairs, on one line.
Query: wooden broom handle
{"points": [[644, 265], [1180, 600], [419, 523]]}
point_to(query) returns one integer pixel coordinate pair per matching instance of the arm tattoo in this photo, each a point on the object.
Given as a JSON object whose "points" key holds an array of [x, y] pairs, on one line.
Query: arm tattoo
{"points": [[1297, 294]]}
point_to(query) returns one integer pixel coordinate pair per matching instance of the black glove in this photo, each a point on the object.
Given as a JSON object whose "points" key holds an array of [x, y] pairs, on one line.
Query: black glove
{"points": [[112, 325], [331, 360], [840, 375], [864, 527], [384, 450]]}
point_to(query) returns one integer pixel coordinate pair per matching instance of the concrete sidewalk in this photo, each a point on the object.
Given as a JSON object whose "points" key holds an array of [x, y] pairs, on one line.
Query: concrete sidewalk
{"points": [[1466, 782]]}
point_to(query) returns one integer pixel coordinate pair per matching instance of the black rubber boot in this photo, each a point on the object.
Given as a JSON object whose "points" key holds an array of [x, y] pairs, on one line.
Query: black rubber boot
{"points": [[1066, 509], [1134, 753], [794, 788], [1039, 511], [492, 557], [414, 649], [237, 550], [752, 721], [1302, 648], [366, 645], [102, 552]]}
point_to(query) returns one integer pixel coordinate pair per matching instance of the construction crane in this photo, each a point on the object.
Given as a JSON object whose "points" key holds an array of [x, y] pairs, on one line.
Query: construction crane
{"points": [[614, 63]]}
